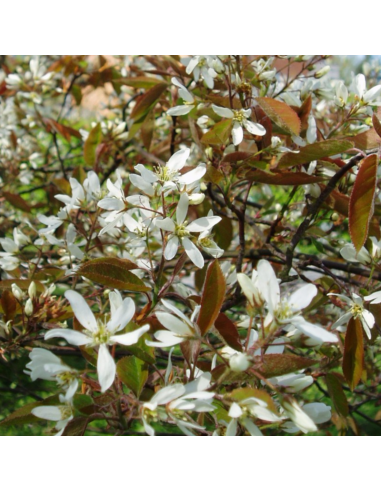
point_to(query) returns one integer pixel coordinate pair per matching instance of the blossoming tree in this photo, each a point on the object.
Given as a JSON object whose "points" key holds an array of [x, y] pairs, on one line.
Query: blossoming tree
{"points": [[196, 252]]}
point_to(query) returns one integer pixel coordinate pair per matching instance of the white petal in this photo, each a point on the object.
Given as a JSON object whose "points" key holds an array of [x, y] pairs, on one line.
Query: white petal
{"points": [[173, 324], [313, 331], [166, 339], [360, 85], [252, 428], [106, 368], [182, 208], [180, 110], [122, 317], [116, 301], [368, 321], [372, 94], [200, 225], [166, 224], [374, 298], [47, 413], [302, 297], [193, 252], [81, 310], [178, 160], [193, 176], [231, 429], [223, 112], [171, 248], [111, 204], [165, 395], [235, 411], [254, 128], [237, 134], [73, 337], [174, 309], [130, 338], [140, 183]]}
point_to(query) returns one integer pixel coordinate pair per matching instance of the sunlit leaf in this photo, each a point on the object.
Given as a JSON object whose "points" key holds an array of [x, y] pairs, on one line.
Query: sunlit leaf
{"points": [[133, 372], [361, 205], [212, 297], [281, 114], [91, 144], [314, 152]]}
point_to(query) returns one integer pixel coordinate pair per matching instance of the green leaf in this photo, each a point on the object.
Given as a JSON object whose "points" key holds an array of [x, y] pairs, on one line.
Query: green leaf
{"points": [[23, 415], [147, 101], [336, 392], [281, 114], [218, 134], [91, 144], [212, 298], [228, 330], [271, 366], [114, 273], [353, 362], [133, 373], [361, 204], [314, 152], [285, 178]]}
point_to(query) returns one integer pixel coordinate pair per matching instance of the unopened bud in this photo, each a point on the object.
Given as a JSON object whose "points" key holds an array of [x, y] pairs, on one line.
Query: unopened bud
{"points": [[239, 363], [17, 292], [322, 72], [32, 291], [29, 307]]}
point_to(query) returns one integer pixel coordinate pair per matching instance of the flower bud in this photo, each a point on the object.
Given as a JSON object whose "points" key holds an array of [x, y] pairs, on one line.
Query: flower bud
{"points": [[17, 292], [322, 72], [239, 363], [29, 307], [32, 291]]}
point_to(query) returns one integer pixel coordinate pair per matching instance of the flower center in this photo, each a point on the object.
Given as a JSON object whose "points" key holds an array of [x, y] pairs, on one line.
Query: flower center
{"points": [[238, 116], [164, 174], [102, 336], [356, 310], [181, 230]]}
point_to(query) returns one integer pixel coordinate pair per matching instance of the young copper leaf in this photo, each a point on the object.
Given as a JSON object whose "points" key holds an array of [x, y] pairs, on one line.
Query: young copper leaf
{"points": [[65, 131], [271, 366], [147, 101], [285, 178], [114, 273], [281, 114], [361, 204], [336, 392], [212, 297], [91, 144], [353, 362], [23, 415], [228, 330], [23, 284], [367, 140], [133, 372], [314, 152], [219, 134], [17, 201], [9, 305], [376, 124], [76, 427]]}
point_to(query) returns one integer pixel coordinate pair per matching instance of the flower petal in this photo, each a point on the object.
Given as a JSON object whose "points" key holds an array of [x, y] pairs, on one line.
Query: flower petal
{"points": [[81, 310], [166, 224], [302, 297], [223, 112], [172, 323], [106, 368], [123, 315], [193, 252], [171, 248], [130, 338], [237, 134], [178, 160], [182, 208], [73, 337], [254, 128], [204, 223]]}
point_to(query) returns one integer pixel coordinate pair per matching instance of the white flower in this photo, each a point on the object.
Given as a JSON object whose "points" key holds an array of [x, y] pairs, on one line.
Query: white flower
{"points": [[206, 242], [318, 413], [78, 196], [300, 418], [255, 288], [8, 260], [45, 365], [238, 415], [100, 334], [240, 120], [92, 186], [61, 414], [367, 97], [179, 399], [200, 66], [364, 257], [168, 177], [356, 310], [181, 231], [188, 101], [341, 94], [293, 383], [180, 327]]}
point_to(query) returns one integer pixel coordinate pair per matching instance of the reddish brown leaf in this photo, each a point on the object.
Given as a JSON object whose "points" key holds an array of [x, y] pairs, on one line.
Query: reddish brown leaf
{"points": [[314, 152], [65, 131], [147, 101], [285, 179], [336, 392], [353, 362], [91, 144], [212, 297], [114, 273], [367, 140], [17, 201], [376, 124], [271, 366], [281, 114], [361, 204], [228, 330], [219, 134], [9, 305]]}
